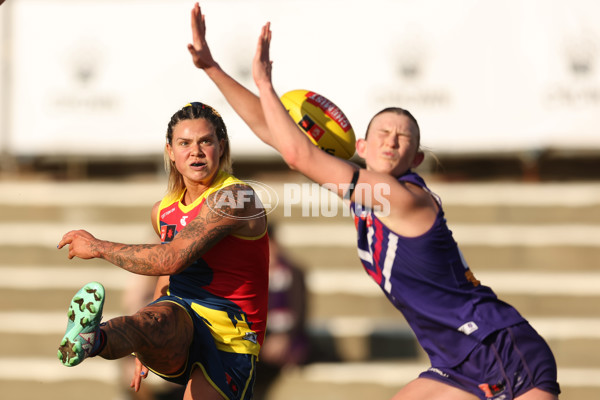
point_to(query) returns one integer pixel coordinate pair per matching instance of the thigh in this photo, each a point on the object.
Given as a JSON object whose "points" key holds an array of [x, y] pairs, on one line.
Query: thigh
{"points": [[168, 331], [198, 388], [425, 388], [537, 394]]}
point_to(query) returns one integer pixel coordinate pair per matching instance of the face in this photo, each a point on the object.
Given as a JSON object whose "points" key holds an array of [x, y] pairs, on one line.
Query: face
{"points": [[392, 144], [195, 150]]}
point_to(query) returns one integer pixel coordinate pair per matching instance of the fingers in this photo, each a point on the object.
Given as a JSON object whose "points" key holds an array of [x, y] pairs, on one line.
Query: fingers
{"points": [[191, 49], [266, 32], [195, 23], [66, 239], [262, 41], [140, 372], [198, 25], [265, 41], [81, 244]]}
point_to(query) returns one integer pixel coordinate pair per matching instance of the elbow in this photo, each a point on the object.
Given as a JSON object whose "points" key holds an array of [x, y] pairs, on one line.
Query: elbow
{"points": [[169, 263], [174, 268], [292, 157]]}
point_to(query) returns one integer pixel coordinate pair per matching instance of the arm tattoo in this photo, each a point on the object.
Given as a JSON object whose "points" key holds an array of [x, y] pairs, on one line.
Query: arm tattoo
{"points": [[222, 213]]}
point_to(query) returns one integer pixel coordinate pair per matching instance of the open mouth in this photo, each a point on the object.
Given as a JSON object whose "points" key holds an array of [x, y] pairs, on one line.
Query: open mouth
{"points": [[197, 164]]}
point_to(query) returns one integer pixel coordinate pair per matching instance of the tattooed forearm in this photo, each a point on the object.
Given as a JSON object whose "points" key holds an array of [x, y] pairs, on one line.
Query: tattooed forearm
{"points": [[223, 212], [143, 259]]}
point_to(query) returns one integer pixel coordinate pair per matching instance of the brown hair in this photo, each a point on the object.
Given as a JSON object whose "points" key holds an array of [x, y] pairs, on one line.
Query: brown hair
{"points": [[398, 111], [195, 110]]}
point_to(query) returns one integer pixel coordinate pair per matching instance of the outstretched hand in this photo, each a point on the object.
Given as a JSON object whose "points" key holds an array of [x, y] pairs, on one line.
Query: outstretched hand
{"points": [[199, 50], [262, 64], [81, 244]]}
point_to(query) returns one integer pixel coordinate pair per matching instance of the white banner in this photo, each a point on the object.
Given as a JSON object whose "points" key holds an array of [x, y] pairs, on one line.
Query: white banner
{"points": [[105, 77], [4, 25]]}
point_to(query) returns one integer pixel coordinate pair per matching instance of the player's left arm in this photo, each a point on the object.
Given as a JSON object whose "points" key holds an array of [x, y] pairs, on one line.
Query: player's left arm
{"points": [[221, 215], [285, 136]]}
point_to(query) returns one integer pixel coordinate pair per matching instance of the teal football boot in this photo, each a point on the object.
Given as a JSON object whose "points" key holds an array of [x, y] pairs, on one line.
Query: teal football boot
{"points": [[83, 325]]}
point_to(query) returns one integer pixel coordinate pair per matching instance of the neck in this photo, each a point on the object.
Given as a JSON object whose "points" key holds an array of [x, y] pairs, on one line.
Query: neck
{"points": [[193, 190]]}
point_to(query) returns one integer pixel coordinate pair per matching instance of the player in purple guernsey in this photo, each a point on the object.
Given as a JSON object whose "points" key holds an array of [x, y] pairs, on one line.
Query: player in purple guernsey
{"points": [[479, 346], [427, 279]]}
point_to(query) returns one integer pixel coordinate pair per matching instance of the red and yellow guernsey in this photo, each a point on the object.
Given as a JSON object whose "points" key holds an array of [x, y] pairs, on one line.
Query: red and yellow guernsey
{"points": [[228, 285]]}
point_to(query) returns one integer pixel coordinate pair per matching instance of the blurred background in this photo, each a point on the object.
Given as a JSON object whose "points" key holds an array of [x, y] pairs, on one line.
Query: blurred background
{"points": [[507, 94]]}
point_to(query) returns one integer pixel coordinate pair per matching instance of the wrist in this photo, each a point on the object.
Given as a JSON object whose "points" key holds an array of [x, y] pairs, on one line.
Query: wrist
{"points": [[213, 70], [98, 249], [265, 86]]}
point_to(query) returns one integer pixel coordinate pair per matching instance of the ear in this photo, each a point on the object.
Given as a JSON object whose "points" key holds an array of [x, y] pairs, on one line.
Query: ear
{"points": [[221, 147], [419, 157], [169, 151], [361, 148]]}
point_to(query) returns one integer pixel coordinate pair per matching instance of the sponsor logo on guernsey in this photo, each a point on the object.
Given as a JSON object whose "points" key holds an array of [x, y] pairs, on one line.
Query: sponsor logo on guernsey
{"points": [[167, 212], [251, 337], [329, 109], [167, 233], [468, 328], [183, 221], [439, 372]]}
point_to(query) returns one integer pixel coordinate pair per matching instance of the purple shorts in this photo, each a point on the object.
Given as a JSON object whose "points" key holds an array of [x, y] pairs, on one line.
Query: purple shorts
{"points": [[507, 364]]}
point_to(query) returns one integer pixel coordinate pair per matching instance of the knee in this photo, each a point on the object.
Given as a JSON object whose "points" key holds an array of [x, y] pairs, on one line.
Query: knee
{"points": [[170, 319]]}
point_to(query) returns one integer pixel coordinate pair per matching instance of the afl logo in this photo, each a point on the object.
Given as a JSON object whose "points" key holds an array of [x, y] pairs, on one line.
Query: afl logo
{"points": [[263, 196]]}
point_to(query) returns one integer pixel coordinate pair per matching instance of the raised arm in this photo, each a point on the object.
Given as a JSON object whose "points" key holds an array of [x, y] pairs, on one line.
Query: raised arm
{"points": [[245, 103], [374, 189], [286, 137]]}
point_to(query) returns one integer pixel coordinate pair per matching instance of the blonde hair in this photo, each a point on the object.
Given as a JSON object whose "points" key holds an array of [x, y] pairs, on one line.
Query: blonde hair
{"points": [[195, 110]]}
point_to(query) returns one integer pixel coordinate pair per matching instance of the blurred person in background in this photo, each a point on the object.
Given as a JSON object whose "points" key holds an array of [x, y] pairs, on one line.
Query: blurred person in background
{"points": [[286, 341]]}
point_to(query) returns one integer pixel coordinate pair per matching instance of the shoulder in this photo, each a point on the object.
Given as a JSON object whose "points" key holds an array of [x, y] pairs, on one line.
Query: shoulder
{"points": [[233, 199], [154, 215], [411, 210], [237, 204]]}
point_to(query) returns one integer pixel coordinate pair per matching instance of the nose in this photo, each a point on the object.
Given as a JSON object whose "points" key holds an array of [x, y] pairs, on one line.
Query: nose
{"points": [[392, 141], [197, 150]]}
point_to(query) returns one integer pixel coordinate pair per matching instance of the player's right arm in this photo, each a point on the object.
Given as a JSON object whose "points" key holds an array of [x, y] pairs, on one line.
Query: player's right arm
{"points": [[289, 140], [408, 212], [245, 103]]}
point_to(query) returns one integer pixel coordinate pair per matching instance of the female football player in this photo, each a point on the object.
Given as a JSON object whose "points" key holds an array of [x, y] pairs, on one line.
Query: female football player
{"points": [[479, 346], [206, 326]]}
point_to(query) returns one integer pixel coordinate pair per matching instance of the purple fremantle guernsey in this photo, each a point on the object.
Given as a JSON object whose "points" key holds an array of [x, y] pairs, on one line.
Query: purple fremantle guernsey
{"points": [[428, 280]]}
